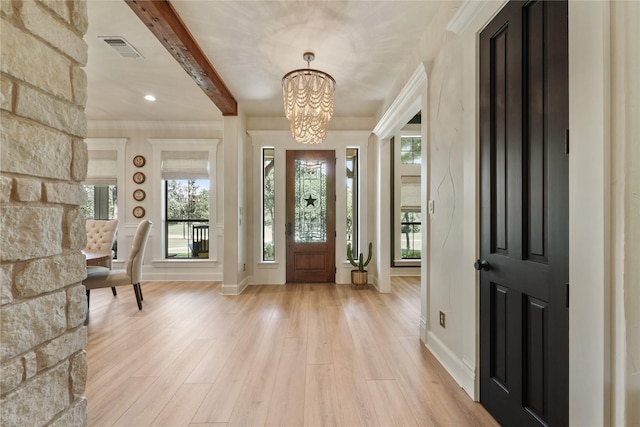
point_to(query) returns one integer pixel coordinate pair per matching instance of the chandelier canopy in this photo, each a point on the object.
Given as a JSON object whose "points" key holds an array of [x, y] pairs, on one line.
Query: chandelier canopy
{"points": [[308, 102]]}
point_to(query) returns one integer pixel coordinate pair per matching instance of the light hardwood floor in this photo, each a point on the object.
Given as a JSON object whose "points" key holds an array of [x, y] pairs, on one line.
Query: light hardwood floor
{"points": [[294, 355]]}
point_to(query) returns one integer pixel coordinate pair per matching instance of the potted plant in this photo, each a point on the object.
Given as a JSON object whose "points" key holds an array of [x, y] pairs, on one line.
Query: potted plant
{"points": [[359, 276]]}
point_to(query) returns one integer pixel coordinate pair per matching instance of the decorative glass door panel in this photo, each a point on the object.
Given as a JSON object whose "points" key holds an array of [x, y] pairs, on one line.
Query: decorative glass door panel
{"points": [[310, 201], [310, 216]]}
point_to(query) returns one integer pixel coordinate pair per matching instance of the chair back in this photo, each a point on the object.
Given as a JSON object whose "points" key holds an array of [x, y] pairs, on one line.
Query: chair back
{"points": [[100, 235], [136, 255]]}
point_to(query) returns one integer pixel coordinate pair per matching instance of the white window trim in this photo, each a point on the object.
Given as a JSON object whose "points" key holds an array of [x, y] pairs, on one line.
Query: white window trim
{"points": [[209, 145], [118, 145], [400, 170]]}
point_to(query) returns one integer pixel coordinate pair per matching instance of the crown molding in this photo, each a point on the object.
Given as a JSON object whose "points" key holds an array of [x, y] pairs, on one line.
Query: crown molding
{"points": [[406, 104], [154, 125], [464, 15]]}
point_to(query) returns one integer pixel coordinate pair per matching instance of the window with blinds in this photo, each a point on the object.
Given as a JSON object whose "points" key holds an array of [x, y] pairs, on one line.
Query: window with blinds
{"points": [[186, 193], [101, 185], [410, 217]]}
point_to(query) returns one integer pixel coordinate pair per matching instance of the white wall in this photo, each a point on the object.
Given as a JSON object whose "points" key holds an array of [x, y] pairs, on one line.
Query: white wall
{"points": [[625, 210], [589, 223]]}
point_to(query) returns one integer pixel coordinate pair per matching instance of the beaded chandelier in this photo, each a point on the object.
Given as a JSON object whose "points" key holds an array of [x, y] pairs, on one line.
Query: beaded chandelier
{"points": [[308, 102]]}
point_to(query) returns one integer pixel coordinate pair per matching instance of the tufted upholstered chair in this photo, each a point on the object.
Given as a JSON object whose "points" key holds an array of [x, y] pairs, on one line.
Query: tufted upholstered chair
{"points": [[100, 238], [102, 277]]}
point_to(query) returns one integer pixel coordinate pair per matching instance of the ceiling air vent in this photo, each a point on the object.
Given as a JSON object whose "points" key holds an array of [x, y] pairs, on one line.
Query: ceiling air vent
{"points": [[122, 46]]}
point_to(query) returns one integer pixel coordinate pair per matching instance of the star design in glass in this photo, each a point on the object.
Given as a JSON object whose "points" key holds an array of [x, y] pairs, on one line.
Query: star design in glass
{"points": [[311, 201]]}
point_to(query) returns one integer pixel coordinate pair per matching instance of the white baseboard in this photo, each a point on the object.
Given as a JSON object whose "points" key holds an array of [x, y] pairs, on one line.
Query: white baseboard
{"points": [[460, 369], [161, 275], [234, 289], [423, 330]]}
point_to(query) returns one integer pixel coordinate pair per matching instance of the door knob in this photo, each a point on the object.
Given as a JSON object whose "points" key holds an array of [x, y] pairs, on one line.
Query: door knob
{"points": [[482, 265]]}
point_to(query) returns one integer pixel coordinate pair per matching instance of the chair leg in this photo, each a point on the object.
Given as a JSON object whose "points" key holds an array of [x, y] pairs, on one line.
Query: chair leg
{"points": [[136, 290], [86, 318], [140, 291], [114, 291]]}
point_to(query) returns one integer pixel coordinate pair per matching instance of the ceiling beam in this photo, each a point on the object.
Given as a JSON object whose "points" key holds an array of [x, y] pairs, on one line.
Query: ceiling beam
{"points": [[165, 23]]}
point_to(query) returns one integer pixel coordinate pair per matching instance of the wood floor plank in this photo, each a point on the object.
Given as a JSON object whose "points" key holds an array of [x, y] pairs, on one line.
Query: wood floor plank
{"points": [[212, 362], [298, 314], [183, 405], [355, 407], [294, 355], [146, 408], [320, 398], [318, 336], [286, 408], [105, 408], [420, 386], [455, 401], [219, 402], [252, 406], [391, 407]]}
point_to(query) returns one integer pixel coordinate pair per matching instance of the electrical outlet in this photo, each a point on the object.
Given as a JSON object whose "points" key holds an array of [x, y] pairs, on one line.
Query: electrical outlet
{"points": [[442, 319]]}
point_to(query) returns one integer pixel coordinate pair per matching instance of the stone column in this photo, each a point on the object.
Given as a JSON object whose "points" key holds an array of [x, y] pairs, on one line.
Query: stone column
{"points": [[43, 159]]}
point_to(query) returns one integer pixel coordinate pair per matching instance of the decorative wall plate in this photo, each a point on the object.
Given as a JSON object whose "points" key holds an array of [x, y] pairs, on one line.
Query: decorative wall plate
{"points": [[138, 177], [138, 211], [139, 161], [139, 195]]}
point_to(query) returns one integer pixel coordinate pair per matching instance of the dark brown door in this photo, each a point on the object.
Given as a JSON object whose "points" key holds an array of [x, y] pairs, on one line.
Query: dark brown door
{"points": [[311, 216], [524, 342]]}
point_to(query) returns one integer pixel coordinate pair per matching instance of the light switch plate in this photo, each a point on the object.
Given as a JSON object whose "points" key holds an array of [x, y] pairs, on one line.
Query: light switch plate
{"points": [[431, 207]]}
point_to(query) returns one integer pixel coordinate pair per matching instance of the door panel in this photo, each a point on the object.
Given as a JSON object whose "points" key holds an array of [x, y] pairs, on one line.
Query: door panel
{"points": [[310, 216], [524, 214]]}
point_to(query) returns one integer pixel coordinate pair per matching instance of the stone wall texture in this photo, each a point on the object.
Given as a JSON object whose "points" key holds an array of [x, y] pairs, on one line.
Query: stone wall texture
{"points": [[43, 159]]}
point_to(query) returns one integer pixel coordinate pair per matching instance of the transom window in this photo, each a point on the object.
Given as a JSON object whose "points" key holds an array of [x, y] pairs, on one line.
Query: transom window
{"points": [[411, 150]]}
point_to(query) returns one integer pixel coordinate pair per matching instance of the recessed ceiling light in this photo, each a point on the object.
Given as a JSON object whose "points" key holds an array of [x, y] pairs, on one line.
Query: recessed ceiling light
{"points": [[150, 97]]}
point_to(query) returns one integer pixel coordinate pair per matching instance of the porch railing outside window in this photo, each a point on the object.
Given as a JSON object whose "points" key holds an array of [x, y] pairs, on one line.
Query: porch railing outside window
{"points": [[187, 238], [187, 218]]}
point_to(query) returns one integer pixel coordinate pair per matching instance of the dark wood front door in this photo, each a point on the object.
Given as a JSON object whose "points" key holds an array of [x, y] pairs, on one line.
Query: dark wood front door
{"points": [[524, 270], [311, 216]]}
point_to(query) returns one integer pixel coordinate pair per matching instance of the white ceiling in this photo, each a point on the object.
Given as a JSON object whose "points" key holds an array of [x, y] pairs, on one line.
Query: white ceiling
{"points": [[364, 45]]}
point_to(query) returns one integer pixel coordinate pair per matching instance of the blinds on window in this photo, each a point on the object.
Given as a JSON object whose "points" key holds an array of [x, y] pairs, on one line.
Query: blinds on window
{"points": [[102, 167], [185, 165], [410, 193]]}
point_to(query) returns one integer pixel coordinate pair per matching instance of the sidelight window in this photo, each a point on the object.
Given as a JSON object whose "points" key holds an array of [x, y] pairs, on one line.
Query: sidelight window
{"points": [[268, 204], [352, 198]]}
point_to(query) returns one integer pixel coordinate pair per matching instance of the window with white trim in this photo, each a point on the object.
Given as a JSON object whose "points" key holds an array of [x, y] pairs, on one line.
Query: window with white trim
{"points": [[406, 210], [410, 217], [101, 185], [268, 204], [352, 172], [186, 200]]}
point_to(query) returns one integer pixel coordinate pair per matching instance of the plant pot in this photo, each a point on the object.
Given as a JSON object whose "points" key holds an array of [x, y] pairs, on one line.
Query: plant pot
{"points": [[359, 278]]}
